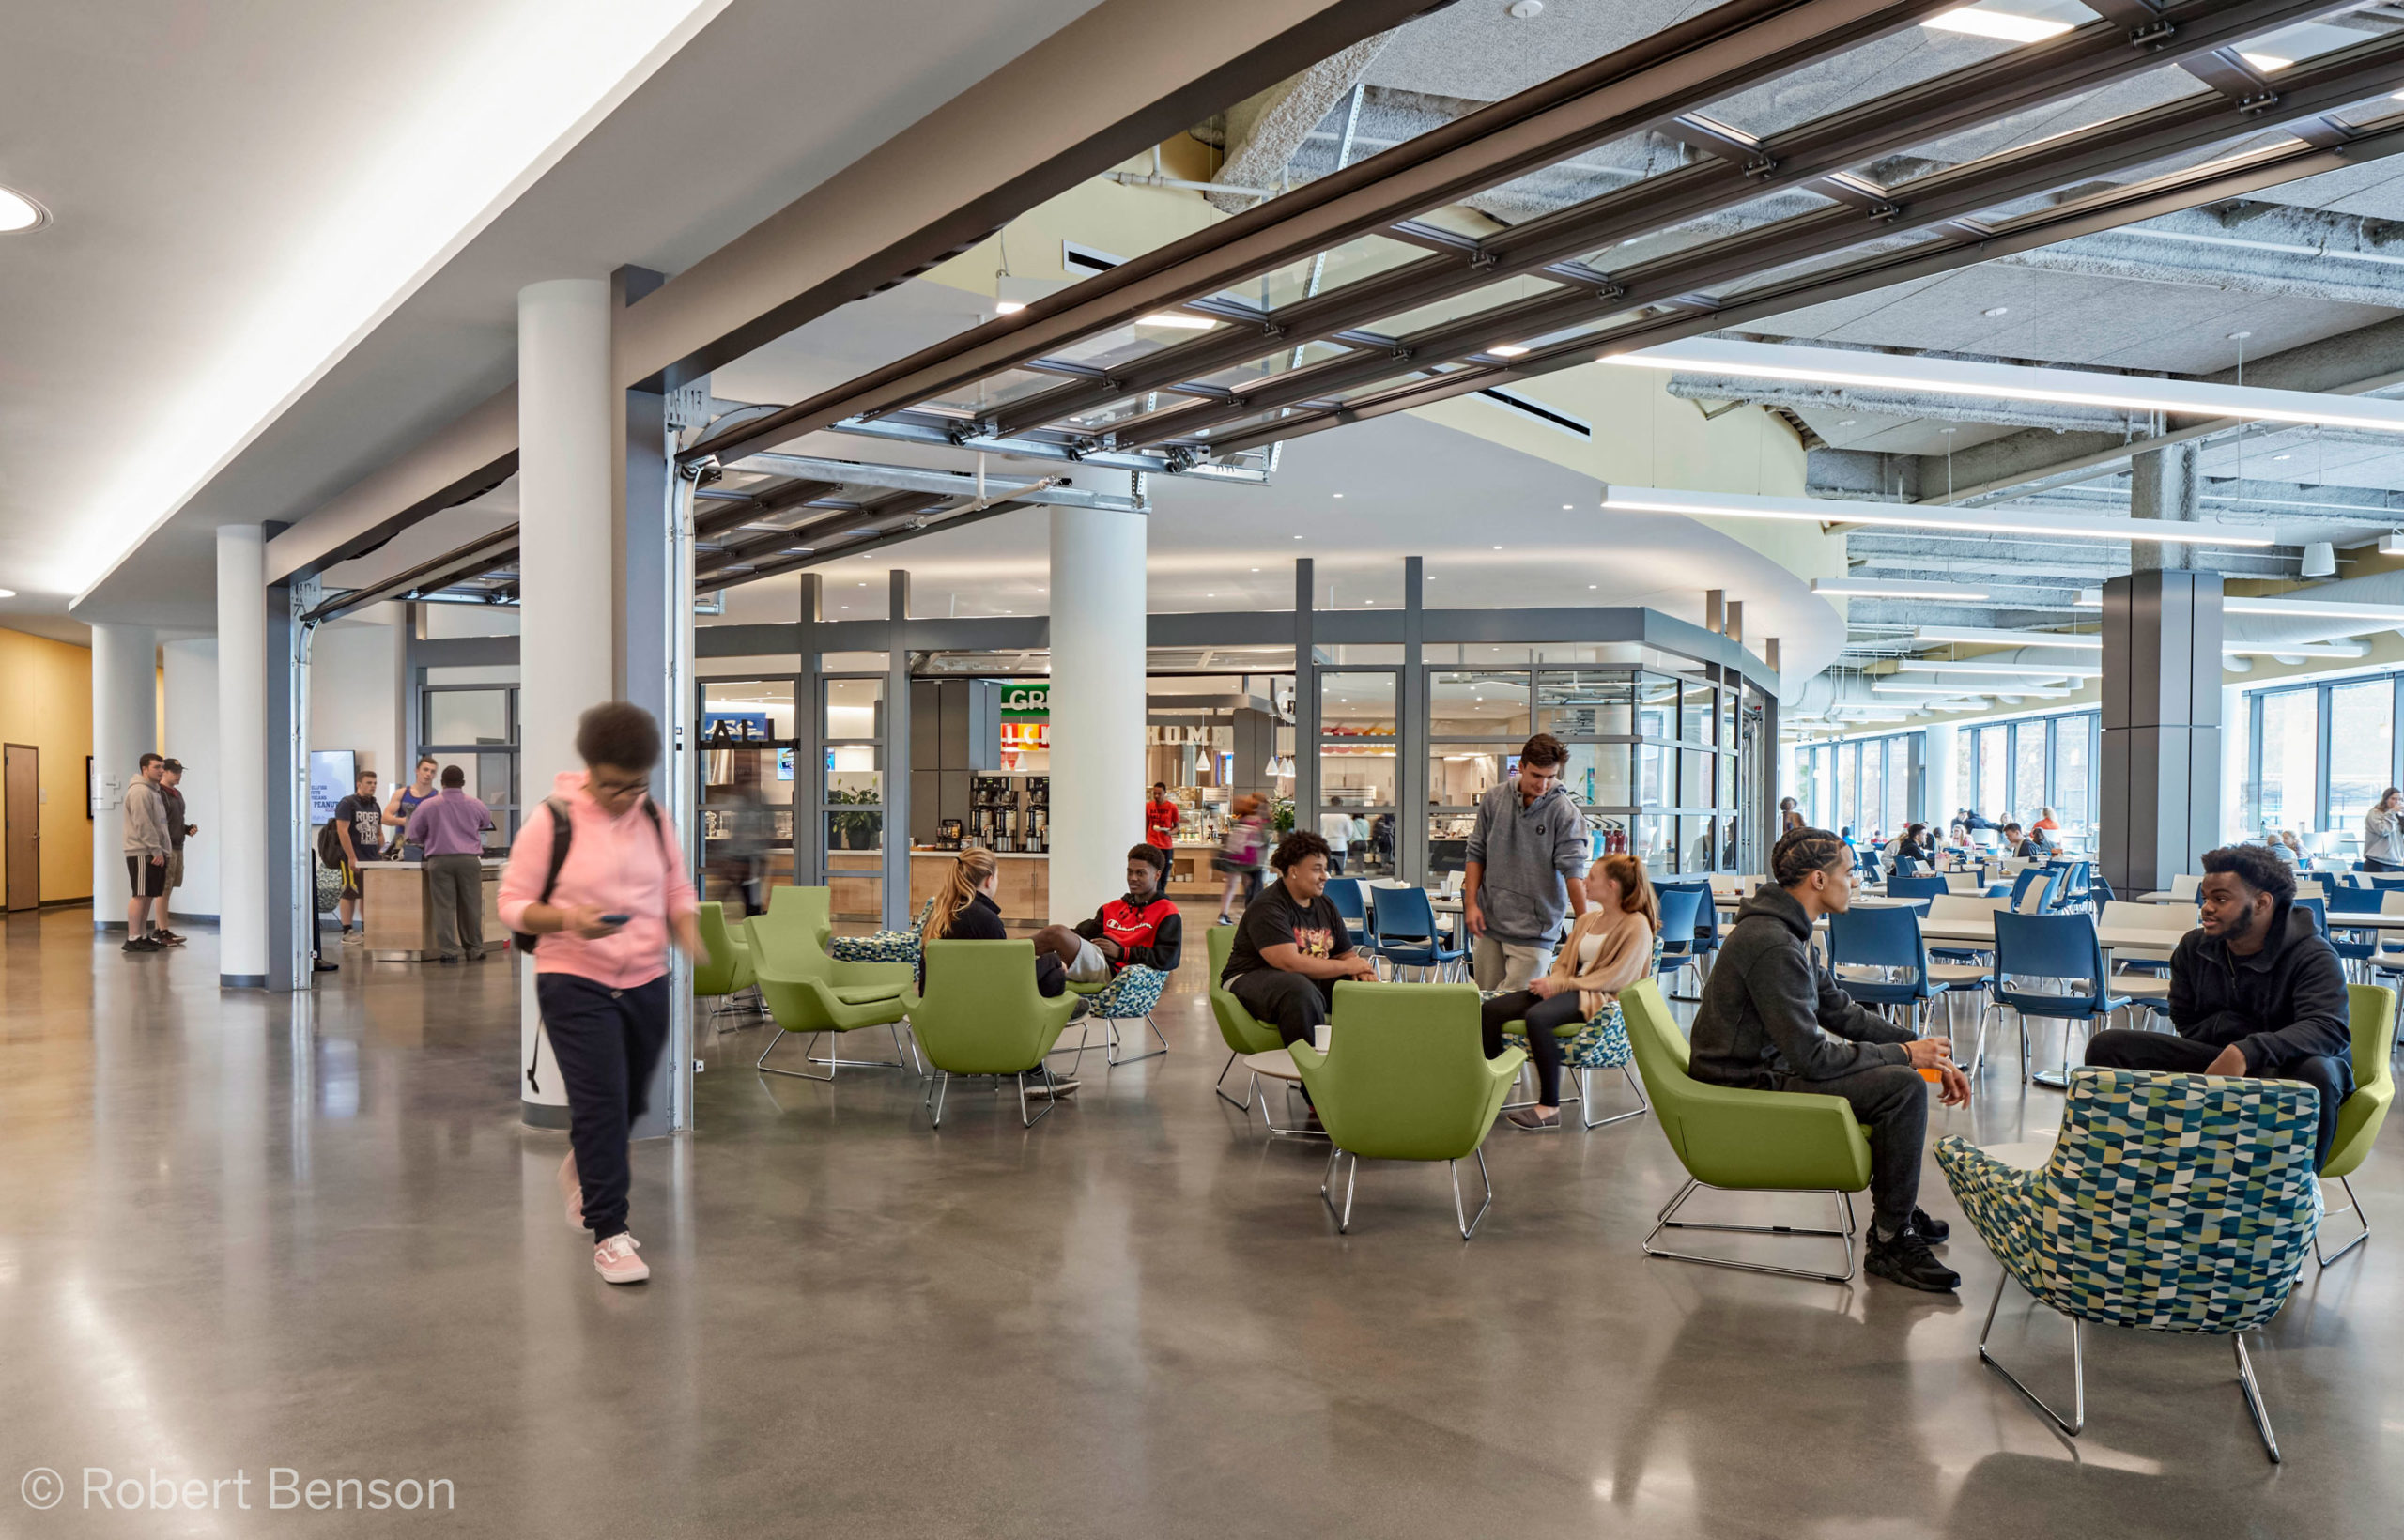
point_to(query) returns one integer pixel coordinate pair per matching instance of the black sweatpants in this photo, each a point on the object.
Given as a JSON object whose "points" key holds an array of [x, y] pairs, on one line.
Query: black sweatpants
{"points": [[1293, 1003], [1543, 1017], [607, 1042], [2333, 1077], [1891, 1101]]}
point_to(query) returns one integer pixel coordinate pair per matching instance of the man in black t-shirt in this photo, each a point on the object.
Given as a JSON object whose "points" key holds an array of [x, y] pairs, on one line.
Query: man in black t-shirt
{"points": [[359, 824], [1292, 946]]}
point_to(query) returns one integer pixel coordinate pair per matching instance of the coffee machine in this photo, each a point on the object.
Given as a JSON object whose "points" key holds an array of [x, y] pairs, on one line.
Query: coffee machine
{"points": [[993, 813], [1038, 814]]}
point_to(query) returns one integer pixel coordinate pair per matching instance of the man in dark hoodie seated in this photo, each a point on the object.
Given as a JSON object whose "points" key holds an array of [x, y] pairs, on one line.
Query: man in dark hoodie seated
{"points": [[1773, 1019], [2255, 991]]}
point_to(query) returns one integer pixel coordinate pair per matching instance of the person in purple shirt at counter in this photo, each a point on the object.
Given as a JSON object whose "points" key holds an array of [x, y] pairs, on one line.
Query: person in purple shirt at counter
{"points": [[449, 826]]}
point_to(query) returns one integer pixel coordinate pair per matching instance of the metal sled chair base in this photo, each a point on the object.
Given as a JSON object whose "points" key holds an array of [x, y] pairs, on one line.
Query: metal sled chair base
{"points": [[832, 1064], [2360, 1236], [940, 1081], [1463, 1220], [1666, 1219]]}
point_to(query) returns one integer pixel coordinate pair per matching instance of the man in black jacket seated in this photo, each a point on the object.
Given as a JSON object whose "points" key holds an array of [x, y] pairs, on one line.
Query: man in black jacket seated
{"points": [[1772, 1019], [2255, 991]]}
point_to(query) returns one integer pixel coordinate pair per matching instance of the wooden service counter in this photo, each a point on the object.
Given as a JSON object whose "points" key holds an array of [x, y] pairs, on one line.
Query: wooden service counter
{"points": [[1024, 893], [400, 914]]}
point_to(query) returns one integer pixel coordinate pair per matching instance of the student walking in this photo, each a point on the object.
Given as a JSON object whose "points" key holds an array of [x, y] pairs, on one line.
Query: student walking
{"points": [[449, 826], [147, 848], [603, 926]]}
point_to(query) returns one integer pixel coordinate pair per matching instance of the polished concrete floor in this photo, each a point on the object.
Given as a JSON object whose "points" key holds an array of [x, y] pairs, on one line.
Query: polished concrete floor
{"points": [[246, 1233]]}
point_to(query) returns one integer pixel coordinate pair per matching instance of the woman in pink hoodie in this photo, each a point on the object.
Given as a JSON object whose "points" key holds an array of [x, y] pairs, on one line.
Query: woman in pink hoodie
{"points": [[601, 957]]}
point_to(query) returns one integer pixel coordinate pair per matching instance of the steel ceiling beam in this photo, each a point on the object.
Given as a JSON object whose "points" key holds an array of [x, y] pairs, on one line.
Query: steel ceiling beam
{"points": [[1684, 68], [1966, 242], [478, 556], [1814, 157]]}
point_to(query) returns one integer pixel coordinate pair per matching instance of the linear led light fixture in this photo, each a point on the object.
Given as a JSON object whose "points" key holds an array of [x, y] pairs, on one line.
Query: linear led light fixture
{"points": [[2294, 609], [2295, 649], [2006, 26], [2046, 523], [1885, 587], [1939, 692], [2015, 382], [1996, 670], [1981, 636]]}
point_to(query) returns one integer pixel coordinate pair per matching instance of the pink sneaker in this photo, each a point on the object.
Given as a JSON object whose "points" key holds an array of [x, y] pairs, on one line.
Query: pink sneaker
{"points": [[573, 1191], [615, 1260]]}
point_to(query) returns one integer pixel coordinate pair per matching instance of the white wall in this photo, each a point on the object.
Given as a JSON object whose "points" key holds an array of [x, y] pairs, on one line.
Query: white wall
{"points": [[190, 737], [355, 694]]}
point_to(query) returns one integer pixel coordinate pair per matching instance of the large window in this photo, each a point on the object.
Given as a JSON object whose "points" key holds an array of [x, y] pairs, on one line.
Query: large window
{"points": [[475, 728], [2319, 756], [2290, 749], [2362, 749]]}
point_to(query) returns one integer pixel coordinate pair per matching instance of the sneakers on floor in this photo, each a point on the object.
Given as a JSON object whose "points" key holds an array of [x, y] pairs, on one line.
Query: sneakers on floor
{"points": [[573, 1189], [1931, 1228], [615, 1260], [166, 939], [1907, 1260], [141, 943], [1527, 1118], [1061, 1086]]}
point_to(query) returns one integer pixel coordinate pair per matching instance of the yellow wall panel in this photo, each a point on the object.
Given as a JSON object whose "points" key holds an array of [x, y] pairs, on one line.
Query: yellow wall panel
{"points": [[46, 700]]}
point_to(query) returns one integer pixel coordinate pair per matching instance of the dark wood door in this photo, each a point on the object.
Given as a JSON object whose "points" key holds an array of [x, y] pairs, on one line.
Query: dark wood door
{"points": [[22, 813]]}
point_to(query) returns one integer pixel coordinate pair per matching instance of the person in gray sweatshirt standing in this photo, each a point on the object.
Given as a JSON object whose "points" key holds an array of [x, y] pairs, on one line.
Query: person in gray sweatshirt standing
{"points": [[146, 849], [1773, 1019], [1526, 869]]}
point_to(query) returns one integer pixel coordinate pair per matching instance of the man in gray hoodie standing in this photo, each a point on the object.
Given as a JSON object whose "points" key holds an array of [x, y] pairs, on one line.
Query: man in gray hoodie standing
{"points": [[147, 846], [1526, 869]]}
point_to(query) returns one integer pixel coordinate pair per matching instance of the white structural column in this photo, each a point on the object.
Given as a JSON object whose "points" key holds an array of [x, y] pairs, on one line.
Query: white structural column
{"points": [[187, 734], [244, 835], [2236, 741], [1097, 730], [1941, 764], [125, 726], [566, 412]]}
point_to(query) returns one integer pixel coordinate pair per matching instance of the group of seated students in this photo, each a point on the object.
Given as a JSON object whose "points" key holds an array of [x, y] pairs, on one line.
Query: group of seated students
{"points": [[1140, 927], [2255, 991]]}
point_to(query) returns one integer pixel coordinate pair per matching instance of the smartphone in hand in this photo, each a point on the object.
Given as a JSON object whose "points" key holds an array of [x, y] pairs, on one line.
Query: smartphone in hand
{"points": [[615, 919]]}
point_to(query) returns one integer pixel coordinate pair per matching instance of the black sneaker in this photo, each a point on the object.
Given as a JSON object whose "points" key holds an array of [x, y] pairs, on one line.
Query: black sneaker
{"points": [[141, 943], [1907, 1260], [1931, 1228]]}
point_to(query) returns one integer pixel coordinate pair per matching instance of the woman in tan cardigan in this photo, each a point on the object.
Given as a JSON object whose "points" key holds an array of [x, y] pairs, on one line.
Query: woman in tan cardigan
{"points": [[1609, 948]]}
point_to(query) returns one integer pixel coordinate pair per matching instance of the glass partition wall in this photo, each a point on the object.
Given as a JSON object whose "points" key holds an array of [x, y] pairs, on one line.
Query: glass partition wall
{"points": [[475, 728]]}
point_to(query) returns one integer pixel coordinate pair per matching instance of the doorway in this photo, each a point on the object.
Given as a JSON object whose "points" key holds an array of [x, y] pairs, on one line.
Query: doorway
{"points": [[20, 810]]}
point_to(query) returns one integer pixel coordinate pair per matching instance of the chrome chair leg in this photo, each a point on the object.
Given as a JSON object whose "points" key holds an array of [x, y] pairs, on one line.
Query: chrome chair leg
{"points": [[798, 1074], [1276, 1129], [1115, 1058], [1666, 1221], [893, 1063], [1468, 1226], [2078, 1419], [937, 1083], [1586, 1096], [1051, 1099], [2253, 1389], [1344, 1219], [1220, 1086], [2355, 1205]]}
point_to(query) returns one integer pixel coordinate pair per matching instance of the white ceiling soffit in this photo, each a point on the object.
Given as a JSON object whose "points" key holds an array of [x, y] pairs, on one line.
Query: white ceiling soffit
{"points": [[2047, 523], [240, 193], [2016, 382]]}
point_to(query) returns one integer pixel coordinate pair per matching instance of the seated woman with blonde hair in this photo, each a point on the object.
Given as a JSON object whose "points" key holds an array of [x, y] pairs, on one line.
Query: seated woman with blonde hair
{"points": [[1610, 948]]}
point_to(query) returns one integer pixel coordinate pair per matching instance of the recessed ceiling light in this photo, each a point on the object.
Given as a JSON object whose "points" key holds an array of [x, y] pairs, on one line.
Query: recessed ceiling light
{"points": [[1565, 507], [1506, 351], [1977, 23], [1256, 569], [1997, 310], [1498, 548], [1337, 494], [8, 592], [2266, 62], [1845, 423], [1009, 307], [1184, 323], [19, 212]]}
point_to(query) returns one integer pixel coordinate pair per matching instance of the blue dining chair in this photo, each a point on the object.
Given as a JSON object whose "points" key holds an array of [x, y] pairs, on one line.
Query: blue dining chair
{"points": [[1345, 893], [1679, 907], [2060, 948], [1888, 939], [1705, 940], [1916, 888], [1403, 931], [1905, 866], [2319, 910]]}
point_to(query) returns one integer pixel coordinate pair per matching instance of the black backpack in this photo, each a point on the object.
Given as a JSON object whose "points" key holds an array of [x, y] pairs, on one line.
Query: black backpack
{"points": [[563, 835], [329, 842]]}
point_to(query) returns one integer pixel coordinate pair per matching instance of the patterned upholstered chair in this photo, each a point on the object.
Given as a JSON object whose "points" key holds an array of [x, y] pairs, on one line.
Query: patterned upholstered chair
{"points": [[1131, 995], [2172, 1203], [1600, 1043], [883, 946]]}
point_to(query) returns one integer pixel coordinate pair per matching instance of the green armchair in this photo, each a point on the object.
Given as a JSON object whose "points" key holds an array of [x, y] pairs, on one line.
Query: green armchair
{"points": [[807, 991], [2358, 1118], [1406, 1078], [1743, 1141], [726, 971], [981, 1015], [1238, 1029]]}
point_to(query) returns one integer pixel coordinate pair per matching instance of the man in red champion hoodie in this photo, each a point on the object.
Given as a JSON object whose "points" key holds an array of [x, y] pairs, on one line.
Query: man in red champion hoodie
{"points": [[601, 957]]}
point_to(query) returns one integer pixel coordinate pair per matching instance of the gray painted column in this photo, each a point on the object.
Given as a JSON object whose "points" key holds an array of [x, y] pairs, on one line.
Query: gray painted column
{"points": [[1305, 702], [125, 727], [1410, 729], [244, 829], [2164, 484], [897, 753], [291, 896], [2160, 726], [809, 748]]}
